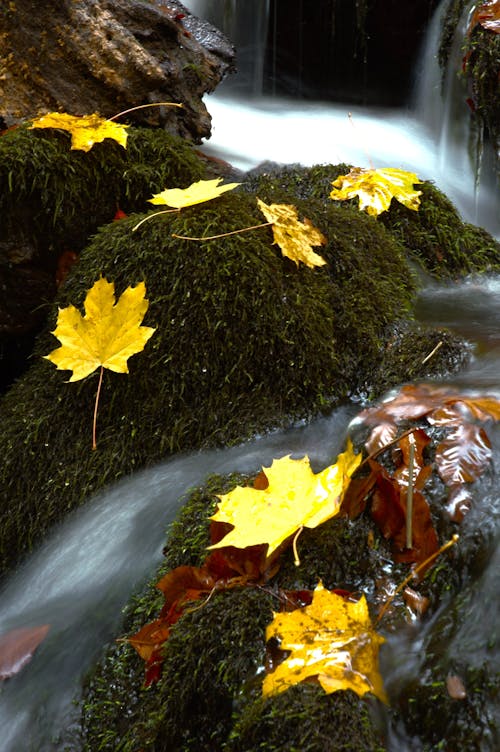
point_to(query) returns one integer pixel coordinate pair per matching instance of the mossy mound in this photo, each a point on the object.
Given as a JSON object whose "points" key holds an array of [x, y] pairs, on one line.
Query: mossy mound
{"points": [[209, 696], [56, 197], [245, 341], [435, 237]]}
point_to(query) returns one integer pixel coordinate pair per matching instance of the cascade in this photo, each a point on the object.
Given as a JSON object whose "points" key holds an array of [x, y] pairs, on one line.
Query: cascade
{"points": [[431, 136]]}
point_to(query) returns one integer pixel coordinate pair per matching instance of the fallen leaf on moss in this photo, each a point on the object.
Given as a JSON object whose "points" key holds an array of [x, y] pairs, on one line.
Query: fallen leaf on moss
{"points": [[295, 497], [375, 189], [17, 648], [196, 193], [333, 641], [85, 131], [106, 336], [295, 238]]}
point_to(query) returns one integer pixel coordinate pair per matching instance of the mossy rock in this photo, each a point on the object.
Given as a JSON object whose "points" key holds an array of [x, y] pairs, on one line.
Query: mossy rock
{"points": [[57, 197], [434, 237], [209, 696], [245, 341]]}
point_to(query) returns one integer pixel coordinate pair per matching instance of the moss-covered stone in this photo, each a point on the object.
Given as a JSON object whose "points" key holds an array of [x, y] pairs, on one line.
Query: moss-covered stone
{"points": [[57, 197], [434, 237], [245, 340], [209, 696]]}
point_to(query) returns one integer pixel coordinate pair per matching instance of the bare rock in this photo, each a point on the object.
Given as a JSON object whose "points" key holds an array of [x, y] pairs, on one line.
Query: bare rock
{"points": [[106, 56]]}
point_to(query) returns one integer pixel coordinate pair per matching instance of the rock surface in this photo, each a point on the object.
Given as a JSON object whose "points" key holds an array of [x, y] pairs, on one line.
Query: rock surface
{"points": [[108, 56]]}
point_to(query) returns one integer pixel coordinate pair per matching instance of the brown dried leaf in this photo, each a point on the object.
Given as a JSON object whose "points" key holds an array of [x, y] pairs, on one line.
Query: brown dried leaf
{"points": [[464, 455]]}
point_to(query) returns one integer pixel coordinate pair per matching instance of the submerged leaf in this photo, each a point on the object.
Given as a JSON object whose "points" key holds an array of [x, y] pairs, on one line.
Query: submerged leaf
{"points": [[106, 336], [376, 188], [17, 648], [196, 193], [295, 238], [85, 131], [294, 498], [331, 640]]}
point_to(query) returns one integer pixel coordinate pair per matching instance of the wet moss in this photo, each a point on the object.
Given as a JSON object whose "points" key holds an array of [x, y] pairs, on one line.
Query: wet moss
{"points": [[58, 196], [245, 341], [434, 237], [209, 696]]}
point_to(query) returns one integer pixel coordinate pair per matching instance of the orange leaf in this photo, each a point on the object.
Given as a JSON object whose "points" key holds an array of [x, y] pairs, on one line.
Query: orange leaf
{"points": [[17, 648]]}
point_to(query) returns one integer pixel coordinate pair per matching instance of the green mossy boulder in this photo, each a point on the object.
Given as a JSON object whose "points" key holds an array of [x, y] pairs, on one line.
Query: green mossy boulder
{"points": [[434, 237], [209, 696], [56, 197], [245, 341]]}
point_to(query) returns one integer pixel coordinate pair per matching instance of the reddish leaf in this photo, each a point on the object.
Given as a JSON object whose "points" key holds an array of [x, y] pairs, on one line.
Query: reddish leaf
{"points": [[416, 602], [413, 401], [17, 648], [381, 435], [488, 15], [459, 502], [150, 638], [464, 455]]}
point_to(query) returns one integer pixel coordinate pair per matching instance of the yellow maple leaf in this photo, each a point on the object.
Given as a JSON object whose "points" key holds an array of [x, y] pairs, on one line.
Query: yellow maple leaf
{"points": [[196, 193], [376, 188], [295, 238], [295, 497], [86, 130], [332, 640], [106, 336]]}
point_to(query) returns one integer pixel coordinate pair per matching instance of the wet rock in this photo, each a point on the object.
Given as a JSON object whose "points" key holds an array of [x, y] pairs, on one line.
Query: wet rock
{"points": [[108, 56]]}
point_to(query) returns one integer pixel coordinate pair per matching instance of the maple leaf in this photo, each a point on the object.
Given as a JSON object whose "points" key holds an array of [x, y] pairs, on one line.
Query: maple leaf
{"points": [[295, 238], [331, 640], [196, 193], [294, 498], [376, 188], [85, 131], [17, 648], [106, 336]]}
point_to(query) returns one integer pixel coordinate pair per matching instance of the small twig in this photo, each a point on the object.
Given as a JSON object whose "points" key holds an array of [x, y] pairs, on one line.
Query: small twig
{"points": [[409, 495], [150, 216], [415, 571], [224, 234], [142, 106], [433, 352], [94, 423]]}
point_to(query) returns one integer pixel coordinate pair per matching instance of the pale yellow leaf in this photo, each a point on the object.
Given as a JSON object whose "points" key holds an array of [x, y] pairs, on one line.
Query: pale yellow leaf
{"points": [[107, 335], [376, 188], [295, 238], [196, 193], [85, 131], [331, 640]]}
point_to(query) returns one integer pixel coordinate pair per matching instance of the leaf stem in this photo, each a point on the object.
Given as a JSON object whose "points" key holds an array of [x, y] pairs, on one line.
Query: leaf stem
{"points": [[422, 565], [94, 423], [142, 106], [409, 495], [150, 216], [224, 234], [296, 559]]}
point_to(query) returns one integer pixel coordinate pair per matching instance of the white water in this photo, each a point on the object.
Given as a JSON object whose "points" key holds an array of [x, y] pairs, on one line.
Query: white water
{"points": [[430, 137]]}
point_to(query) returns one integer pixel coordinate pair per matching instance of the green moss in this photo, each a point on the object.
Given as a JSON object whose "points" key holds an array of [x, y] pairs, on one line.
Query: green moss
{"points": [[245, 341], [60, 196], [209, 696], [434, 236]]}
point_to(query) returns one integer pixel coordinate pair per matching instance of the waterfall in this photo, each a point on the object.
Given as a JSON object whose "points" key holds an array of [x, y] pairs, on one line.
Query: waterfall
{"points": [[432, 137]]}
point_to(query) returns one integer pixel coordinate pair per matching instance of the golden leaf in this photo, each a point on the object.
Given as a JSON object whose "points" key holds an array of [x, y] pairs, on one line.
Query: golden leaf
{"points": [[332, 640], [376, 188], [85, 131], [196, 193], [295, 238], [295, 497], [106, 336]]}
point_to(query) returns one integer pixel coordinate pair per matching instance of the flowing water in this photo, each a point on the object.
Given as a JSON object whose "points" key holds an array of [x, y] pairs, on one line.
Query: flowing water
{"points": [[79, 580]]}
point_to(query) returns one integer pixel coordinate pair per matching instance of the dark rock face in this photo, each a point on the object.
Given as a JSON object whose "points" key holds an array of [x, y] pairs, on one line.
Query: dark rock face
{"points": [[108, 56], [360, 52]]}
